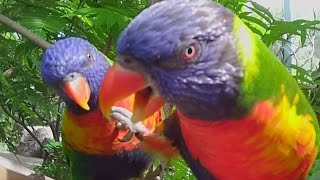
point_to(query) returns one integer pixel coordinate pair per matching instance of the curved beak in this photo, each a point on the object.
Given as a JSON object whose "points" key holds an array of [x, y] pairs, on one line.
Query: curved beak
{"points": [[78, 90], [119, 83]]}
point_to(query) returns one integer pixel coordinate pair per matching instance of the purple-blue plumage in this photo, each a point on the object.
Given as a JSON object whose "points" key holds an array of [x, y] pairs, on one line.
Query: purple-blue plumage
{"points": [[66, 60], [186, 50], [157, 41], [74, 55]]}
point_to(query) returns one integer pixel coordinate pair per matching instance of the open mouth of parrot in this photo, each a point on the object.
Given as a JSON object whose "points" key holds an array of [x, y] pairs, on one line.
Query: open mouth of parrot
{"points": [[146, 103], [120, 83]]}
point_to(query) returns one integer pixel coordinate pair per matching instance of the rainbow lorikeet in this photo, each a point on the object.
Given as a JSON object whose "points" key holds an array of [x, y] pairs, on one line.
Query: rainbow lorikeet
{"points": [[239, 112], [95, 147]]}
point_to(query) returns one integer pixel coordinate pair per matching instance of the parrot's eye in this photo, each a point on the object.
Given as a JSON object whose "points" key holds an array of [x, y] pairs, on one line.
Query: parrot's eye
{"points": [[190, 52], [186, 53], [89, 60]]}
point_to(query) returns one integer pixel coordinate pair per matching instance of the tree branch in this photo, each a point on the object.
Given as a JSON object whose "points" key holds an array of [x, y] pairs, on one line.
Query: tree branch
{"points": [[58, 121], [24, 32], [22, 124], [80, 5], [107, 46], [32, 5], [52, 127], [39, 115]]}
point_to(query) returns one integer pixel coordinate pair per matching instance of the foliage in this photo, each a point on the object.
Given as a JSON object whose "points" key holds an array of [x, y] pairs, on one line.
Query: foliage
{"points": [[265, 25], [25, 100], [178, 170], [316, 171], [55, 165], [8, 133]]}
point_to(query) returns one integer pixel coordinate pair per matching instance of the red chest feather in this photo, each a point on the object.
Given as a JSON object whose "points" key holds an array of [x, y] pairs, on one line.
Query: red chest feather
{"points": [[272, 142]]}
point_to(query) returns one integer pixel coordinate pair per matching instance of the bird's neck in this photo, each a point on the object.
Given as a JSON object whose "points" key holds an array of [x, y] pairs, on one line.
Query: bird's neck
{"points": [[212, 108], [211, 112], [255, 137]]}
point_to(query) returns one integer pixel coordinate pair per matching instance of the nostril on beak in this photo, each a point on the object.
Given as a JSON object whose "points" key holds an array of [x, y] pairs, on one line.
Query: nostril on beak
{"points": [[72, 75]]}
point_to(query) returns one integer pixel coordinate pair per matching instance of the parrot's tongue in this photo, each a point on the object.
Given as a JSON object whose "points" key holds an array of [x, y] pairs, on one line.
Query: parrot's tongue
{"points": [[146, 103], [120, 83]]}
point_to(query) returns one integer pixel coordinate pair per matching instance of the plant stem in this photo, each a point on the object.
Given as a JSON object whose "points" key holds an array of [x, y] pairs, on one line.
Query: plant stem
{"points": [[107, 46], [58, 121], [22, 124], [24, 32]]}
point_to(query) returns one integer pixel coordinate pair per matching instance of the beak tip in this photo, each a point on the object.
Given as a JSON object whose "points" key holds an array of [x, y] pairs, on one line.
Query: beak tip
{"points": [[79, 91], [86, 107]]}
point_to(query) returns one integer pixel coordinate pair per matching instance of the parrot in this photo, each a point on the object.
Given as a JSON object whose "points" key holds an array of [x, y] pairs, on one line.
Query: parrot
{"points": [[95, 147], [239, 113]]}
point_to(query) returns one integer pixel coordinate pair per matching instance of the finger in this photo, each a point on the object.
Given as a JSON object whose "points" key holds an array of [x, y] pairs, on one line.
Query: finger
{"points": [[139, 127], [121, 110], [122, 118], [123, 122]]}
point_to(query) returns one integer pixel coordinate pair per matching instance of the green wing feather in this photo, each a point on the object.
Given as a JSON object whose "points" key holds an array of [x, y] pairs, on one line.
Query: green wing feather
{"points": [[265, 75]]}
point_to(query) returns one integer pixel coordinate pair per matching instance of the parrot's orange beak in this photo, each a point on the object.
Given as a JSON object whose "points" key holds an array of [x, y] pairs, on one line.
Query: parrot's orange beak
{"points": [[79, 91], [120, 83]]}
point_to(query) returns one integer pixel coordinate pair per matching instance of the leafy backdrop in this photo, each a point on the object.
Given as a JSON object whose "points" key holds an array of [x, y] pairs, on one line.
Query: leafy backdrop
{"points": [[26, 101]]}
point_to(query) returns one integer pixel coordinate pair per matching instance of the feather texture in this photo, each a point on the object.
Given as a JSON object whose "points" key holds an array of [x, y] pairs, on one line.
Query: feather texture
{"points": [[272, 142], [93, 134], [93, 145]]}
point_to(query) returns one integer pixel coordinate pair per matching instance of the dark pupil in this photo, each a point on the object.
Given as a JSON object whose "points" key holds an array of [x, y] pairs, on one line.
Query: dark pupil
{"points": [[189, 51]]}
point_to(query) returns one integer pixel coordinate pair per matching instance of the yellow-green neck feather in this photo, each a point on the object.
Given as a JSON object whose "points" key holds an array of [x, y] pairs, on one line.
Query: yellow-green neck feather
{"points": [[264, 74]]}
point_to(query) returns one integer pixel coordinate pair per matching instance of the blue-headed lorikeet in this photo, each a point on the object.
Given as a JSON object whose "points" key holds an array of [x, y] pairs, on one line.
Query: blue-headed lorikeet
{"points": [[239, 113], [93, 145]]}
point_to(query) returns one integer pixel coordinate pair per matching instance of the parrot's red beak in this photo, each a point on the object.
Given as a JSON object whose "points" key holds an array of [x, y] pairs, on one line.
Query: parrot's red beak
{"points": [[79, 91], [120, 83]]}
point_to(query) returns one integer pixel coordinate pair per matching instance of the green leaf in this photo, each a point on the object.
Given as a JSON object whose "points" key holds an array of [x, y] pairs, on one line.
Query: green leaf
{"points": [[316, 108], [180, 170], [316, 165], [315, 176], [298, 68], [239, 6], [256, 21], [282, 27], [3, 80], [255, 30], [315, 75], [262, 9], [261, 14], [303, 79], [303, 36], [50, 23], [316, 82], [244, 14]]}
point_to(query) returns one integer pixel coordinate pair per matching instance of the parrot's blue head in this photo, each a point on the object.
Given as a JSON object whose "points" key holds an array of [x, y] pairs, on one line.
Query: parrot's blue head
{"points": [[186, 51], [75, 68]]}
